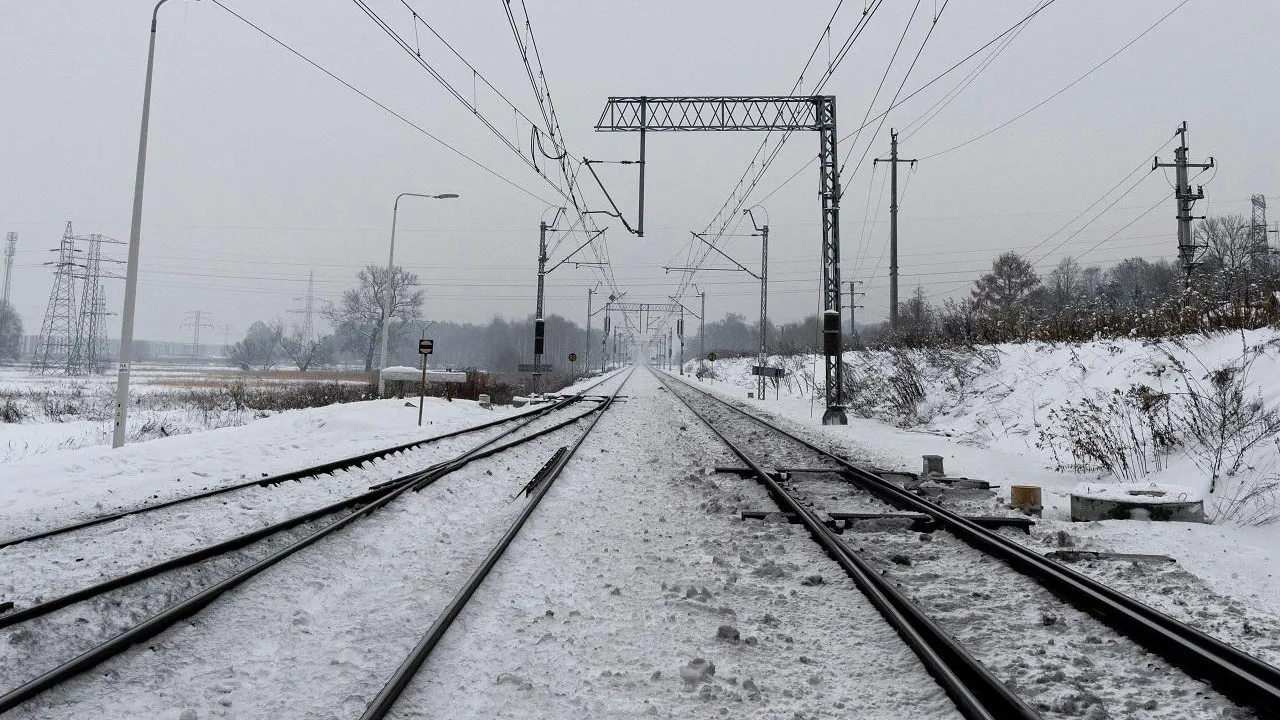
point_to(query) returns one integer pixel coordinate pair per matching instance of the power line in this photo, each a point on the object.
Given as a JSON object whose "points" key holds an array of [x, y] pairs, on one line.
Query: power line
{"points": [[1095, 202], [948, 97], [1026, 19], [1067, 87], [379, 104]]}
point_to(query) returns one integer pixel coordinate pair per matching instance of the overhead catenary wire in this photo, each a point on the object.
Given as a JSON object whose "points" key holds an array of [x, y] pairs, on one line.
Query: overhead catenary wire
{"points": [[697, 253], [412, 52], [528, 49]]}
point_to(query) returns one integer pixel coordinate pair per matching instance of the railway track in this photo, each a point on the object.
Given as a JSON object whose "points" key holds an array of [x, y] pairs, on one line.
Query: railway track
{"points": [[88, 551], [308, 473], [386, 698], [106, 618], [1006, 632]]}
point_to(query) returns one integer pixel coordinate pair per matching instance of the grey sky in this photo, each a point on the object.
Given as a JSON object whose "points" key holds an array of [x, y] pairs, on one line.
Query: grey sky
{"points": [[261, 168]]}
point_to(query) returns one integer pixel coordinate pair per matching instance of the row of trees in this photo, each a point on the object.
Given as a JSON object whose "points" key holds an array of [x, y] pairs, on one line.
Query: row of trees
{"points": [[499, 346], [1234, 285]]}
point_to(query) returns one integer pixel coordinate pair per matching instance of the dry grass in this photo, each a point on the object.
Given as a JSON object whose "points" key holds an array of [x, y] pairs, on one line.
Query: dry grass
{"points": [[212, 378]]}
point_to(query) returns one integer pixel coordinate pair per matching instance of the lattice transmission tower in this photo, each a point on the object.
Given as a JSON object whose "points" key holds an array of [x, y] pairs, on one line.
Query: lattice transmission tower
{"points": [[58, 349], [92, 329], [1258, 230], [308, 310], [197, 320]]}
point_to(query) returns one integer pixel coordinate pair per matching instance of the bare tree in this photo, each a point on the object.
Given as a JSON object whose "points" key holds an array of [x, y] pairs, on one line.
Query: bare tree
{"points": [[358, 318], [260, 348], [917, 320], [304, 352], [1235, 276], [10, 332]]}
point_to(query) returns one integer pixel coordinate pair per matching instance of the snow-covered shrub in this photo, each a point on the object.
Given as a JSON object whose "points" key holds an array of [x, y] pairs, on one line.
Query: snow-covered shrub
{"points": [[10, 410], [1249, 498], [704, 370], [1126, 433], [1224, 418]]}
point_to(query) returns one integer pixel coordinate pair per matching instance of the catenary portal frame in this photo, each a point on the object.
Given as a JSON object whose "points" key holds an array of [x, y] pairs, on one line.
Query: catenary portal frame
{"points": [[759, 113]]}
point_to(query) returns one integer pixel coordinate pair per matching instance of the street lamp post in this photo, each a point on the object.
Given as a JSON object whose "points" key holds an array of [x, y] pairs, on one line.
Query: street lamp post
{"points": [[386, 293], [135, 236]]}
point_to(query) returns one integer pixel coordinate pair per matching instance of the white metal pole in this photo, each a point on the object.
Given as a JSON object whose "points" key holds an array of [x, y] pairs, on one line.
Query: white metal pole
{"points": [[386, 295], [135, 236]]}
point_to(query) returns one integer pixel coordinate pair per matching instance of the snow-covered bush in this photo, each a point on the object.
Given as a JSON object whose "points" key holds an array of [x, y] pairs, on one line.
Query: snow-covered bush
{"points": [[1216, 419], [1226, 420], [1128, 434]]}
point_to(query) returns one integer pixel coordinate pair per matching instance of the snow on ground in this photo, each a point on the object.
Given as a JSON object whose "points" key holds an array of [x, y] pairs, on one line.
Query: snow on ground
{"points": [[49, 413], [636, 591], [612, 601], [51, 489], [986, 428], [316, 635]]}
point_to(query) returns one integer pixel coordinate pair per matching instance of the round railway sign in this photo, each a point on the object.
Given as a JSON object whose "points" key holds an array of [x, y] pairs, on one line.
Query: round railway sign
{"points": [[573, 357], [711, 356]]}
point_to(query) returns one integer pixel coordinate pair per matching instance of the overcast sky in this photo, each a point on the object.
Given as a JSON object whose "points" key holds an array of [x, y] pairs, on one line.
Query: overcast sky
{"points": [[262, 169]]}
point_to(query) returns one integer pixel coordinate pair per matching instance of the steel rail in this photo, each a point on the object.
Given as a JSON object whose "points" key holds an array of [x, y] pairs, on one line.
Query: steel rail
{"points": [[387, 696], [416, 479], [977, 693], [194, 604], [313, 471], [1241, 677]]}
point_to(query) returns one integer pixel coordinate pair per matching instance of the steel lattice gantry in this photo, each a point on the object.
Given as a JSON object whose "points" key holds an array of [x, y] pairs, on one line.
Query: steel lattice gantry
{"points": [[760, 113]]}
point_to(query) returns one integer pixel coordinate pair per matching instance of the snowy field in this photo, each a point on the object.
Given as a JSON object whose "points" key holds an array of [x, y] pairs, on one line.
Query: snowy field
{"points": [[49, 413]]}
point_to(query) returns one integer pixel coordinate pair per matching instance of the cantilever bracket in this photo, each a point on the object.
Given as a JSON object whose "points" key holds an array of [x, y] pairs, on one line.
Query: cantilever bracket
{"points": [[638, 230], [741, 267], [590, 238]]}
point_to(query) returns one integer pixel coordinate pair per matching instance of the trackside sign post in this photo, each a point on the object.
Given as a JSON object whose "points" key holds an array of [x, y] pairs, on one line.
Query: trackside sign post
{"points": [[425, 347]]}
